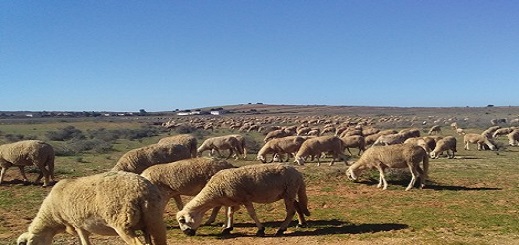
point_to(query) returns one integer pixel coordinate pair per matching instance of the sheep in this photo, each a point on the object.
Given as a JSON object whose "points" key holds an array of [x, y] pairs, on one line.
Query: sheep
{"points": [[392, 156], [445, 144], [286, 145], [278, 134], [502, 131], [226, 142], [410, 132], [186, 140], [303, 131], [137, 160], [185, 177], [354, 141], [259, 183], [478, 139], [242, 142], [436, 129], [490, 131], [25, 153], [419, 142], [390, 139], [513, 138], [110, 203], [318, 145]]}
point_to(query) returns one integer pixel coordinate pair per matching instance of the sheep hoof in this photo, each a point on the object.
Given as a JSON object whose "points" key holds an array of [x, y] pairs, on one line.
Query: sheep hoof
{"points": [[261, 232], [227, 231], [280, 232], [303, 225]]}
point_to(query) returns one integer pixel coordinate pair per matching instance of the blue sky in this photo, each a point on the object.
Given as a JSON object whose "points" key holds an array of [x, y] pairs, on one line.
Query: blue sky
{"points": [[167, 55]]}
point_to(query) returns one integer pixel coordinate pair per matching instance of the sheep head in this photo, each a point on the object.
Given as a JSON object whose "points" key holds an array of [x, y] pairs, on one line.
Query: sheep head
{"points": [[189, 222]]}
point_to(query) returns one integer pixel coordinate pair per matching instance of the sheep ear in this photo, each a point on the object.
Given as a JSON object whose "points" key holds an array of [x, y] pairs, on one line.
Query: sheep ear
{"points": [[182, 220]]}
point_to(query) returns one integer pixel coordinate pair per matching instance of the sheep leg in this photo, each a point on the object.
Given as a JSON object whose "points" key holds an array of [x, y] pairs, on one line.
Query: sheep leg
{"points": [[83, 236], [2, 173], [349, 151], [291, 210], [212, 218], [230, 219], [128, 236], [252, 214], [22, 172], [413, 171], [178, 202], [382, 179], [230, 153]]}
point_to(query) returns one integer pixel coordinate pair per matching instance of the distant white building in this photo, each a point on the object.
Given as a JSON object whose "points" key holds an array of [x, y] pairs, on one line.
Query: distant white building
{"points": [[220, 112]]}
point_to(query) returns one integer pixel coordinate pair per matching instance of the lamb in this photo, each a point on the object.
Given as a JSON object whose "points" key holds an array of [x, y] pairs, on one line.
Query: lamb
{"points": [[318, 145], [445, 144], [513, 138], [286, 145], [392, 156], [25, 153], [260, 183], [354, 141], [137, 160], [110, 203], [226, 142], [187, 140], [478, 139], [436, 129], [185, 177]]}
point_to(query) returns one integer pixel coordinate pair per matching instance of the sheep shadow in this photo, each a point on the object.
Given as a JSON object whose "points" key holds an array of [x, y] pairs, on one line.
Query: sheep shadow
{"points": [[438, 187], [316, 228]]}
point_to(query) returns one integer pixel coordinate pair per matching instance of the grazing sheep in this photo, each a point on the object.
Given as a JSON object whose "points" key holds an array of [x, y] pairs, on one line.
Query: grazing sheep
{"points": [[419, 142], [137, 160], [513, 138], [318, 145], [445, 144], [187, 140], [390, 139], [392, 156], [436, 129], [278, 134], [242, 142], [226, 142], [354, 141], [490, 131], [303, 131], [262, 183], [410, 132], [478, 139], [502, 131], [110, 203], [26, 153], [286, 145], [185, 177]]}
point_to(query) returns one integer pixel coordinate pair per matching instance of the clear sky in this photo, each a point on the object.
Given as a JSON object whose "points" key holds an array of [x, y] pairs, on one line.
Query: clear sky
{"points": [[166, 55]]}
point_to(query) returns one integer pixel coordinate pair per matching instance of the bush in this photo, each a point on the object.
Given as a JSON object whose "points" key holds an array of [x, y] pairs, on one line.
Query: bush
{"points": [[63, 134], [18, 137]]}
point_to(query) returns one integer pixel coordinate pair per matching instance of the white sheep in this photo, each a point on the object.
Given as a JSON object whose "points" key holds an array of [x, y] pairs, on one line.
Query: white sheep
{"points": [[390, 139], [278, 134], [354, 141], [513, 138], [137, 160], [110, 203], [185, 177], [478, 139], [318, 145], [502, 131], [261, 183], [419, 142], [26, 153], [187, 140], [392, 156], [285, 145], [490, 131], [219, 143], [436, 129], [445, 144]]}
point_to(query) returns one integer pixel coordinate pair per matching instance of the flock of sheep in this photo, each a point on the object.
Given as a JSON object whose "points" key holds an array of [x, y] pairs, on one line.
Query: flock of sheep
{"points": [[132, 196]]}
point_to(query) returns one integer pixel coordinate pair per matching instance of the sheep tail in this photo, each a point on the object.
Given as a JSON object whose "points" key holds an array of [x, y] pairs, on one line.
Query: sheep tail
{"points": [[302, 205]]}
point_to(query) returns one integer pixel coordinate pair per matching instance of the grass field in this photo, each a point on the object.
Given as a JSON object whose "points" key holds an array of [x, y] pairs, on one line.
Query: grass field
{"points": [[472, 199]]}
